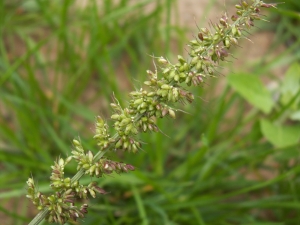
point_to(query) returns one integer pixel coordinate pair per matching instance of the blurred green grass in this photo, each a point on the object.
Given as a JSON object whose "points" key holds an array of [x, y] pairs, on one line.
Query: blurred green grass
{"points": [[60, 65]]}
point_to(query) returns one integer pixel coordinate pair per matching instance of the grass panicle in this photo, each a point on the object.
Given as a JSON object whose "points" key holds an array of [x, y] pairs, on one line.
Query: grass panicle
{"points": [[166, 86]]}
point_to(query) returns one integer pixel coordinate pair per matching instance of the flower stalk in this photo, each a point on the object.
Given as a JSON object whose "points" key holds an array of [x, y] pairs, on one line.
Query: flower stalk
{"points": [[166, 86]]}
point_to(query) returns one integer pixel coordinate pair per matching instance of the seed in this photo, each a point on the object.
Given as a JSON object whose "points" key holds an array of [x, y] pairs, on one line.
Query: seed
{"points": [[162, 60], [172, 113]]}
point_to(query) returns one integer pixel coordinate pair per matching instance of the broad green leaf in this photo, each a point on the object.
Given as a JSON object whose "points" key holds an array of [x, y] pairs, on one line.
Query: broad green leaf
{"points": [[291, 84], [252, 89], [280, 136], [296, 115]]}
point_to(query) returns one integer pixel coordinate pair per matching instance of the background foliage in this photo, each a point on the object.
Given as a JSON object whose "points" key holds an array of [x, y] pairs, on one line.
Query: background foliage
{"points": [[234, 159]]}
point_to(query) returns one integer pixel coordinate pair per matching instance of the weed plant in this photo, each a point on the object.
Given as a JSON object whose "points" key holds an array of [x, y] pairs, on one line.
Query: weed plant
{"points": [[220, 166]]}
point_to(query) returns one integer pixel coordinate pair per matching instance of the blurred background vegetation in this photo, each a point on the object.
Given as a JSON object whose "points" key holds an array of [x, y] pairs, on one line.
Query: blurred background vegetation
{"points": [[233, 159]]}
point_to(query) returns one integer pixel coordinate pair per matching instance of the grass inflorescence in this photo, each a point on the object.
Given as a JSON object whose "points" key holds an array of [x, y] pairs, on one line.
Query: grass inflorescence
{"points": [[166, 86]]}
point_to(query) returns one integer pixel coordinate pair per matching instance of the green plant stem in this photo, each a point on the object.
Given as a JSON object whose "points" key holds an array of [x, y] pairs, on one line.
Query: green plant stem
{"points": [[39, 217], [140, 206], [285, 107]]}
